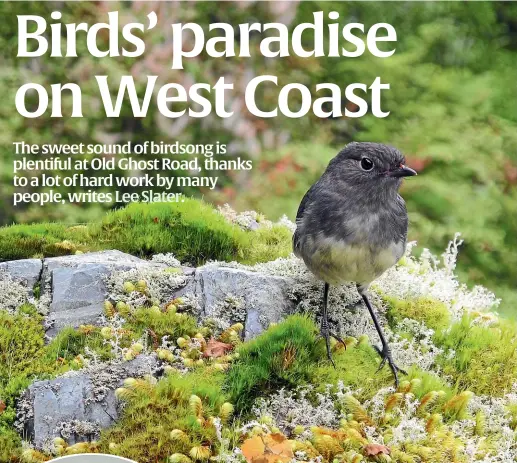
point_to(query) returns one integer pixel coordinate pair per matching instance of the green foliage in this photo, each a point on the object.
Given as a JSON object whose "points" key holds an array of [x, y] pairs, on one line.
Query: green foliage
{"points": [[268, 244], [434, 314], [192, 230], [43, 239], [283, 356], [21, 340], [153, 411], [485, 357], [480, 355]]}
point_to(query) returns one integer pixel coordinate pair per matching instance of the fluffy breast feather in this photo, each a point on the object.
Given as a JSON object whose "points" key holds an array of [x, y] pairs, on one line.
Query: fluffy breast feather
{"points": [[337, 262]]}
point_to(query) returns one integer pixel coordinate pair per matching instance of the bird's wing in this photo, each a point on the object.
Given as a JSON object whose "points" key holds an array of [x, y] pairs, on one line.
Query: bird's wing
{"points": [[299, 216], [305, 201]]}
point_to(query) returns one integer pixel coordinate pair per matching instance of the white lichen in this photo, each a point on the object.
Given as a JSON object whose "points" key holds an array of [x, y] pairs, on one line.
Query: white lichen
{"points": [[161, 285], [12, 293]]}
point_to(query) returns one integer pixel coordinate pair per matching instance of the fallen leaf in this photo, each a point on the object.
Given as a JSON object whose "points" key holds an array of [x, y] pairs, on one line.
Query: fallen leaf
{"points": [[271, 448], [376, 449], [253, 447], [215, 349], [2, 406]]}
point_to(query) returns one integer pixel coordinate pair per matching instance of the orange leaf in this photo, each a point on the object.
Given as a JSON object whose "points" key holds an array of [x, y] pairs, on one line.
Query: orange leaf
{"points": [[253, 447], [376, 449], [215, 349], [2, 406], [271, 448]]}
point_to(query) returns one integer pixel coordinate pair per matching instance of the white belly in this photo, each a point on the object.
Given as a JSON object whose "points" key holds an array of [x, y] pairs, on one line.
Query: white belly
{"points": [[337, 262]]}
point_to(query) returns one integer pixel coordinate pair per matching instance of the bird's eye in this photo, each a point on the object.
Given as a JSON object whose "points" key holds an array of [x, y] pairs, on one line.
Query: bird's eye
{"points": [[366, 164]]}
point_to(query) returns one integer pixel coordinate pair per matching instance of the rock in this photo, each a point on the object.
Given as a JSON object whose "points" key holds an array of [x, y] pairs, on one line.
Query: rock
{"points": [[77, 294], [265, 297], [76, 406], [77, 288], [25, 271]]}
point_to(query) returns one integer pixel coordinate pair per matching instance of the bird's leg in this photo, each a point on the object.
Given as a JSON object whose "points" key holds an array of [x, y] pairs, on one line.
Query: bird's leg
{"points": [[325, 329], [385, 353]]}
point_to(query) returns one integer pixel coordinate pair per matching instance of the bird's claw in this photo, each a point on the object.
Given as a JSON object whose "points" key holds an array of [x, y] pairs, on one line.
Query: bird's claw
{"points": [[326, 334], [385, 354]]}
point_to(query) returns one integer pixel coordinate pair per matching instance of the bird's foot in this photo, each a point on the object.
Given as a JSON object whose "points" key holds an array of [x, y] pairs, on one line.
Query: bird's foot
{"points": [[326, 334], [385, 354]]}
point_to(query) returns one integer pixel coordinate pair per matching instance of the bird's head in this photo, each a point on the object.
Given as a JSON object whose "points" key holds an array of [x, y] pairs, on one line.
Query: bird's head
{"points": [[370, 164]]}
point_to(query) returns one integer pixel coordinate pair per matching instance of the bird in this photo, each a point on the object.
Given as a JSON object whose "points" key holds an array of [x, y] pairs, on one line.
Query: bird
{"points": [[352, 225]]}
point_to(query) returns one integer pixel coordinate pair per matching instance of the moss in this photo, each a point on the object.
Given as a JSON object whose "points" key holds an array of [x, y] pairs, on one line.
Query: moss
{"points": [[70, 343], [193, 230], [152, 412], [434, 314], [10, 446], [21, 341], [283, 356], [44, 239], [268, 244], [161, 323], [355, 367], [485, 357]]}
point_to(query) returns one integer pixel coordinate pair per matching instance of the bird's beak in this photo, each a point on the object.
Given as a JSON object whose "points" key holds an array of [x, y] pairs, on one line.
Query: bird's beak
{"points": [[402, 171]]}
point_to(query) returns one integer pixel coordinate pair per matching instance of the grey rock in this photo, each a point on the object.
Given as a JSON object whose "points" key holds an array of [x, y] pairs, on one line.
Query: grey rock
{"points": [[81, 403], [77, 294], [25, 271], [111, 259], [77, 285], [76, 288], [265, 297]]}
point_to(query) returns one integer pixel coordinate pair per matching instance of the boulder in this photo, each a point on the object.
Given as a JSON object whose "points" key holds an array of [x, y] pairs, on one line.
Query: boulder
{"points": [[265, 297], [25, 271], [77, 405], [76, 285]]}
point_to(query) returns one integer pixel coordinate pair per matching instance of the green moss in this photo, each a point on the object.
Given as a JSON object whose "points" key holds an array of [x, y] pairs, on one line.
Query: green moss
{"points": [[192, 230], [161, 323], [434, 314], [10, 445], [284, 356], [269, 244], [21, 341], [151, 413], [355, 367], [485, 357], [43, 239]]}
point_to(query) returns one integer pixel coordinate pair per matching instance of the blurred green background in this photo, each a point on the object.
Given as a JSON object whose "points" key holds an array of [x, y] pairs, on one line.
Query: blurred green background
{"points": [[453, 103]]}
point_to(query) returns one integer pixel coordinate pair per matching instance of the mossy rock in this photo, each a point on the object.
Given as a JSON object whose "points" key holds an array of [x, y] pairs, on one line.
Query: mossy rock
{"points": [[178, 401], [192, 230], [283, 356]]}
